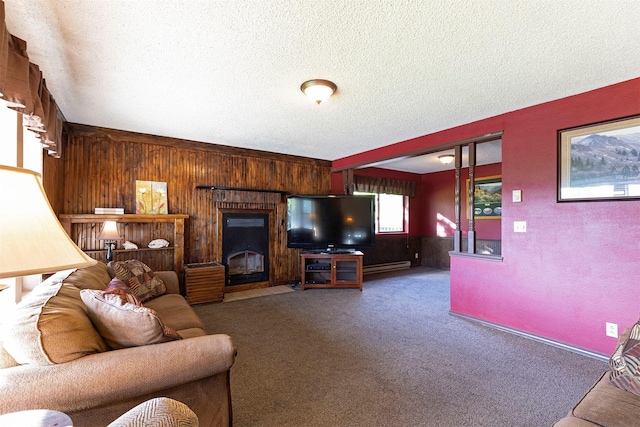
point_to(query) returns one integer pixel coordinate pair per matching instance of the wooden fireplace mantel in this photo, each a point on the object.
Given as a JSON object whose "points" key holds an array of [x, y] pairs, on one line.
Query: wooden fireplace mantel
{"points": [[244, 195]]}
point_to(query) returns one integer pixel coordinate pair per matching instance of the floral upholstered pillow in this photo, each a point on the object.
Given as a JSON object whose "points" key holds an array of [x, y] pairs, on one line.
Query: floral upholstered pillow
{"points": [[116, 283], [123, 321], [140, 278]]}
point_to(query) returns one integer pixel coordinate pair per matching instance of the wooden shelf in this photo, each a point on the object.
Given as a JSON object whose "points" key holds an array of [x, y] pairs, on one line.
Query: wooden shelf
{"points": [[138, 218], [115, 251], [139, 228]]}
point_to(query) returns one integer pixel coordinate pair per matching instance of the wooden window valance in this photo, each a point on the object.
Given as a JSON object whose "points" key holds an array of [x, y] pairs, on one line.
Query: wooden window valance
{"points": [[371, 184], [23, 89]]}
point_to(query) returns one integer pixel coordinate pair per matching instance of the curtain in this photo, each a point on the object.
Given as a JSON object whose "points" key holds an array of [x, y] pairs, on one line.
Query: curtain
{"points": [[24, 89], [371, 184]]}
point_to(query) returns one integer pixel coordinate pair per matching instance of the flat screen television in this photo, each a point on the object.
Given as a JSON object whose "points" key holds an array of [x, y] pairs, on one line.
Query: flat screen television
{"points": [[330, 222]]}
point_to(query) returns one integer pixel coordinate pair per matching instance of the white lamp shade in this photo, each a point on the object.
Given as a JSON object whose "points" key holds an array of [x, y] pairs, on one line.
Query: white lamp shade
{"points": [[318, 90], [32, 240], [109, 231]]}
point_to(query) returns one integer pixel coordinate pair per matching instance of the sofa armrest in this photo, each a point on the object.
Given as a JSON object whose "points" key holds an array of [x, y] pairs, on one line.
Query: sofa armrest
{"points": [[573, 422], [170, 279], [114, 376]]}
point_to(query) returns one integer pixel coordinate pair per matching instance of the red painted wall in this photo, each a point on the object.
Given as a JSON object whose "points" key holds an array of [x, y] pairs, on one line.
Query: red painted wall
{"points": [[438, 213], [576, 266]]}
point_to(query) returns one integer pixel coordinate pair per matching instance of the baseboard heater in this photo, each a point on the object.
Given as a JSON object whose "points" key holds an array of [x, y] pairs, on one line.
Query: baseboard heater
{"points": [[568, 347], [383, 268]]}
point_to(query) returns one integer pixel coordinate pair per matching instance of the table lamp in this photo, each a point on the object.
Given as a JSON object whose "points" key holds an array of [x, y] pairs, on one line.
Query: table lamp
{"points": [[32, 240], [109, 233]]}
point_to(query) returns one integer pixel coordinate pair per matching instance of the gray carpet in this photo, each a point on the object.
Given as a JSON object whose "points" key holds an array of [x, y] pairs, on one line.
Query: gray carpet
{"points": [[391, 355]]}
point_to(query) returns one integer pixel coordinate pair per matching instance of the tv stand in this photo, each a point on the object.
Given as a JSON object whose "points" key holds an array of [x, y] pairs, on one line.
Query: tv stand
{"points": [[330, 251], [331, 270]]}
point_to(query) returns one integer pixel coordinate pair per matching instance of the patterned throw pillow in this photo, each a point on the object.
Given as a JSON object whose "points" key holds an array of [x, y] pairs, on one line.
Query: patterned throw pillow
{"points": [[116, 283], [123, 321], [138, 276], [625, 363]]}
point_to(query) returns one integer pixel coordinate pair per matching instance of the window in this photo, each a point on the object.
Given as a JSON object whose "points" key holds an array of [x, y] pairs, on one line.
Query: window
{"points": [[19, 148], [8, 135], [391, 212]]}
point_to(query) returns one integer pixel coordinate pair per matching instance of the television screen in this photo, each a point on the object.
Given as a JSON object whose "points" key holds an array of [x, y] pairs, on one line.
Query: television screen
{"points": [[330, 222]]}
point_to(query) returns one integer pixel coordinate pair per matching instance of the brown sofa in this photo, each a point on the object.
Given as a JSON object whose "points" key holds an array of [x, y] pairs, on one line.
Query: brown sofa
{"points": [[59, 361], [605, 404]]}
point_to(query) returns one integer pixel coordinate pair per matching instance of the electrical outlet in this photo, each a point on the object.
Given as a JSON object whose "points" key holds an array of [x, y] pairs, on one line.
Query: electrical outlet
{"points": [[612, 330], [520, 226]]}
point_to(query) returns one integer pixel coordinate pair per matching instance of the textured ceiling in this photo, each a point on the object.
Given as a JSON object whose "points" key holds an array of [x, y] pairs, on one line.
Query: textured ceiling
{"points": [[229, 72], [486, 153]]}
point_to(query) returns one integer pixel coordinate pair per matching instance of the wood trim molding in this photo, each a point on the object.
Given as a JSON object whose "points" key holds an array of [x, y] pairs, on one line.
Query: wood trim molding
{"points": [[419, 152], [141, 138]]}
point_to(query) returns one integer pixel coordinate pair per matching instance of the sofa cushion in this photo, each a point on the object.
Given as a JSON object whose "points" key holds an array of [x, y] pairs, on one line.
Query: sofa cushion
{"points": [[123, 321], [140, 278], [192, 332], [175, 312], [625, 362], [51, 326], [93, 277], [607, 405]]}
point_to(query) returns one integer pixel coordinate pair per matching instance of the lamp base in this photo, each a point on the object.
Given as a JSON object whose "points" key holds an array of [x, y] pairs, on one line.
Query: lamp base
{"points": [[109, 253]]}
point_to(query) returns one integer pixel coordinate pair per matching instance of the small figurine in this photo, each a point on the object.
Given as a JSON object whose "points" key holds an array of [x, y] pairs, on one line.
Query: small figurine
{"points": [[158, 243], [129, 245]]}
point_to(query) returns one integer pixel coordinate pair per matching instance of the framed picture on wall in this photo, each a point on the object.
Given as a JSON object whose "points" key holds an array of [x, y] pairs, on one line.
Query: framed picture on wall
{"points": [[600, 161], [487, 197], [151, 197]]}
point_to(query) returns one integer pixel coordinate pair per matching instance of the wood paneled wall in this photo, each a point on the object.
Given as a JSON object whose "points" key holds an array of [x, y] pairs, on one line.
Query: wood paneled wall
{"points": [[99, 168], [393, 248]]}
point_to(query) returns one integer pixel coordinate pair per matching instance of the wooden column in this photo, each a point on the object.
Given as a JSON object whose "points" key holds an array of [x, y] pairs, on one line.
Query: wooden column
{"points": [[471, 236], [457, 235], [347, 181]]}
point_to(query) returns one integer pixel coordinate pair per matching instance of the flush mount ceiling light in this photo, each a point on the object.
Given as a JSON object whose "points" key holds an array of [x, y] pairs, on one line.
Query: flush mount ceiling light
{"points": [[318, 90], [446, 158]]}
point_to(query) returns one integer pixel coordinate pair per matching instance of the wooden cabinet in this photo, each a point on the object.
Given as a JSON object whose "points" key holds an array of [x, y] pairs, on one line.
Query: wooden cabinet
{"points": [[327, 270], [204, 282], [137, 228]]}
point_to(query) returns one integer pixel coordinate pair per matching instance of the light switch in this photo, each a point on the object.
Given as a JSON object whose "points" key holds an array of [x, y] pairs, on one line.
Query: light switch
{"points": [[520, 226], [517, 196]]}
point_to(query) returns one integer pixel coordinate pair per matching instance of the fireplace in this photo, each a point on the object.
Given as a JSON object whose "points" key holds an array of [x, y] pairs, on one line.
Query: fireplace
{"points": [[245, 247], [245, 262]]}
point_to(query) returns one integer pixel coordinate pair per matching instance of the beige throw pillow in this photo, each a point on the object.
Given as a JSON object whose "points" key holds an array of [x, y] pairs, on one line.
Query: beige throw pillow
{"points": [[140, 278], [51, 326], [123, 322], [92, 277]]}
